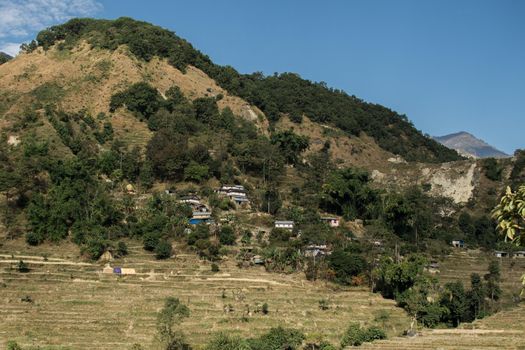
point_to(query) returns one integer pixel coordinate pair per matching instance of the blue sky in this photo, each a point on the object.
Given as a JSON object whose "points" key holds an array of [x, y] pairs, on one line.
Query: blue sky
{"points": [[449, 65]]}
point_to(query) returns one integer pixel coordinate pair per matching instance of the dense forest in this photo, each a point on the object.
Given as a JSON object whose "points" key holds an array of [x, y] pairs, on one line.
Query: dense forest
{"points": [[275, 95]]}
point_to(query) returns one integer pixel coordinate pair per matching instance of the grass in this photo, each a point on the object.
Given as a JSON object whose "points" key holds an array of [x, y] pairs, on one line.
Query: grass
{"points": [[459, 265], [502, 331], [77, 306]]}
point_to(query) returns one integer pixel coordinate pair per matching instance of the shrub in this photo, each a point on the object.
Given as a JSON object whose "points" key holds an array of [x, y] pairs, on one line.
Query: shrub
{"points": [[296, 118], [323, 304], [493, 170], [13, 345], [353, 336], [21, 266], [122, 249], [374, 333], [227, 342], [150, 241], [33, 238], [27, 299], [163, 250], [227, 235], [94, 248], [214, 267], [278, 338], [265, 309]]}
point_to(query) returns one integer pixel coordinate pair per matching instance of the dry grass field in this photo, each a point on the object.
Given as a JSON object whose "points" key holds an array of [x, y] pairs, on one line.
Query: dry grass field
{"points": [[75, 306], [502, 331]]}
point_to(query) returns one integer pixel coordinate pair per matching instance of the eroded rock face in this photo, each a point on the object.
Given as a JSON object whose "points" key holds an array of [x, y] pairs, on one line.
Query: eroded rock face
{"points": [[454, 183], [454, 180]]}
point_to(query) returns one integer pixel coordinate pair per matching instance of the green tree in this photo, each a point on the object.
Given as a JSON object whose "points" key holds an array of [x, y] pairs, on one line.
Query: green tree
{"points": [[493, 277], [196, 172], [141, 98], [169, 321], [290, 145], [227, 235], [346, 192], [454, 299], [163, 250], [477, 295]]}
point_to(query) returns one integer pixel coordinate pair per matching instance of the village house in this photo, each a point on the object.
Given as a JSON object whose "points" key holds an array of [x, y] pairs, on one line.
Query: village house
{"points": [[170, 192], [331, 221], [519, 254], [285, 224], [199, 217], [236, 193], [458, 243], [313, 251], [500, 254]]}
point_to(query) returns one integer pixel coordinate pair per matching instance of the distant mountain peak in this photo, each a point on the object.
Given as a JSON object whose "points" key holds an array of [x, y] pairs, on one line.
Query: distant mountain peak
{"points": [[468, 145]]}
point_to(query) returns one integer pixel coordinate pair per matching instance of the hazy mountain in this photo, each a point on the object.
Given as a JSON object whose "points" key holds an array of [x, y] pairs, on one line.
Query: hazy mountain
{"points": [[468, 145]]}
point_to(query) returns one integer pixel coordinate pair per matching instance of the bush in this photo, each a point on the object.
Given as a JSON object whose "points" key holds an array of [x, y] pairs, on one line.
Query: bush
{"points": [[265, 309], [355, 335], [21, 266], [33, 238], [122, 249], [94, 248], [374, 333], [278, 338], [323, 304], [150, 241], [493, 170], [214, 267], [227, 235], [13, 345], [227, 342], [163, 250]]}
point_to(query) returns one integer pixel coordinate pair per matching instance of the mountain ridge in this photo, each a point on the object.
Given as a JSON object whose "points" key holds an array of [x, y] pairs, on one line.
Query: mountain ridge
{"points": [[469, 145], [274, 96]]}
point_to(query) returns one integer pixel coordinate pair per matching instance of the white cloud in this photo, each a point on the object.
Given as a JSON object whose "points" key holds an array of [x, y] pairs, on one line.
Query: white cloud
{"points": [[10, 48], [20, 18]]}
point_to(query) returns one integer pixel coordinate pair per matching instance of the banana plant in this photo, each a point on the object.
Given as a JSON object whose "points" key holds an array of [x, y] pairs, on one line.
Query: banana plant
{"points": [[510, 217]]}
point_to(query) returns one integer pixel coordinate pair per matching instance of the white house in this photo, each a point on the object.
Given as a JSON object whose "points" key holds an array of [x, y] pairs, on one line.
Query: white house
{"points": [[458, 243], [500, 254], [286, 224], [331, 221], [519, 254]]}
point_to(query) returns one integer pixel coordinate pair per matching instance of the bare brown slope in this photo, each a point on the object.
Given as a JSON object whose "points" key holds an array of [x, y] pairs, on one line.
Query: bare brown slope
{"points": [[87, 78]]}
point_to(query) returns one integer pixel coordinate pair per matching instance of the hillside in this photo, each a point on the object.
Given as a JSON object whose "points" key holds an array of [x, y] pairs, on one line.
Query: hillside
{"points": [[470, 146], [286, 93], [228, 191]]}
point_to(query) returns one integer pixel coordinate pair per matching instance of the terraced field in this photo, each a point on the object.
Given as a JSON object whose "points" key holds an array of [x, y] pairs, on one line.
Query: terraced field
{"points": [[502, 331], [77, 306], [461, 263]]}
